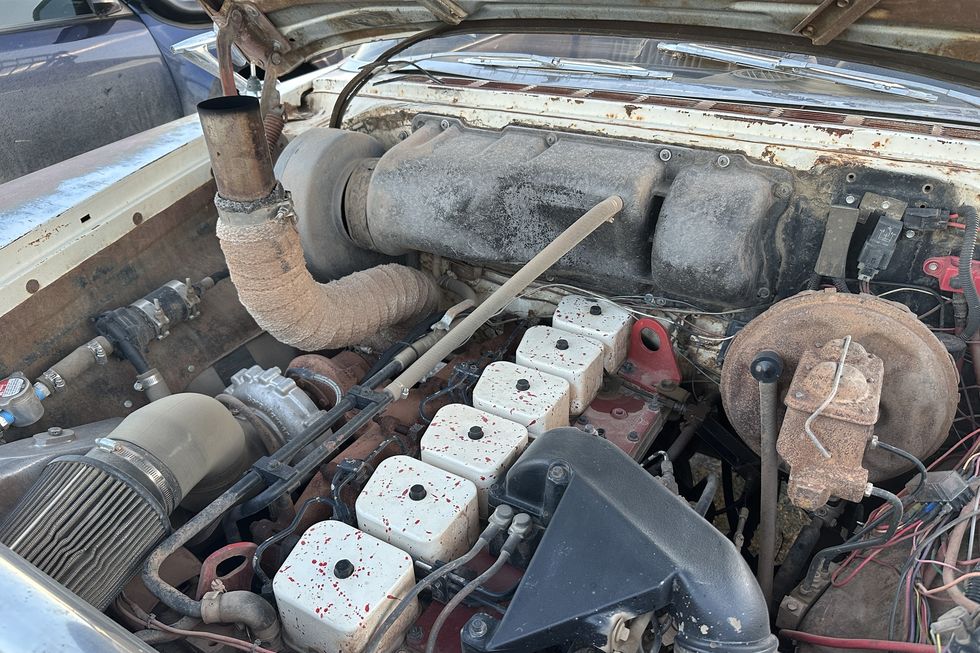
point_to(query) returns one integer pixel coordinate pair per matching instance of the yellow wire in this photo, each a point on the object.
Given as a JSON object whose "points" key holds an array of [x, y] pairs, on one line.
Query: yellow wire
{"points": [[939, 644]]}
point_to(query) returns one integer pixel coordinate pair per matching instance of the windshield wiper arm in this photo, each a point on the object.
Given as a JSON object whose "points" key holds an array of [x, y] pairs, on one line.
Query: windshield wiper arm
{"points": [[800, 68], [559, 64]]}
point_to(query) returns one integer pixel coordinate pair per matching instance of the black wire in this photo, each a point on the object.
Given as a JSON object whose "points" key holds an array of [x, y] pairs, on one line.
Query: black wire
{"points": [[901, 453], [281, 535]]}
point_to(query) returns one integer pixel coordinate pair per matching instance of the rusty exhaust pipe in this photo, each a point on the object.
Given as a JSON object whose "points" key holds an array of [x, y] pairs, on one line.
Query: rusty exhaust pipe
{"points": [[235, 135]]}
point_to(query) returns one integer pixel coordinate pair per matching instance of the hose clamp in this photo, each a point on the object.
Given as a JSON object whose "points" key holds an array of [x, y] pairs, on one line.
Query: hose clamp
{"points": [[98, 351]]}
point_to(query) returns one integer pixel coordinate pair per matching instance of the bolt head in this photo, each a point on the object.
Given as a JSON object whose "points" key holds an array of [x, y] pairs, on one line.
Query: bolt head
{"points": [[595, 309], [932, 266], [477, 627], [343, 569], [561, 344], [809, 30], [417, 492], [909, 233], [633, 436], [444, 124], [850, 199], [475, 433], [551, 139], [792, 605], [665, 155], [798, 394], [523, 384], [557, 473], [723, 161]]}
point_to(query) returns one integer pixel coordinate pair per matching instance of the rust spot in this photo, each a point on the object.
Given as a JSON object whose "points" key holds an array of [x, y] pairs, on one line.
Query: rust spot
{"points": [[630, 108]]}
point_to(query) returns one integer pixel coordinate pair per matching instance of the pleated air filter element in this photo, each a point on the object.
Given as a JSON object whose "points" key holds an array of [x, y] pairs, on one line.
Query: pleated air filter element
{"points": [[87, 525]]}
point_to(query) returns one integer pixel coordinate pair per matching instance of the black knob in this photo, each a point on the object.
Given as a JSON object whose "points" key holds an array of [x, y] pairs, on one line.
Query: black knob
{"points": [[416, 492], [475, 433], [562, 344], [595, 309], [767, 366], [523, 384], [343, 569]]}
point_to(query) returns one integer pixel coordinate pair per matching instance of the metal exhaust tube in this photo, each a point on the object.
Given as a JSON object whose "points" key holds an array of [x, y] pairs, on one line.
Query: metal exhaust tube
{"points": [[235, 135]]}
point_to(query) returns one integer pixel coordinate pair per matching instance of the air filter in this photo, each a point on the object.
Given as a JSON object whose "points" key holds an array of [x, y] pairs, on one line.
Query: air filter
{"points": [[88, 525]]}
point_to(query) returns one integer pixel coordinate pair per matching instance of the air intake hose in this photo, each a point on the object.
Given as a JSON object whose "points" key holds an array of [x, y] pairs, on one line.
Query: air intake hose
{"points": [[89, 521], [265, 257]]}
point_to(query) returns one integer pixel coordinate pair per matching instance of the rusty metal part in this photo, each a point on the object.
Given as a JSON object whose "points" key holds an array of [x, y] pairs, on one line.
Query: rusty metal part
{"points": [[919, 389], [254, 34], [624, 417], [346, 368], [831, 17], [843, 426], [235, 136], [238, 578]]}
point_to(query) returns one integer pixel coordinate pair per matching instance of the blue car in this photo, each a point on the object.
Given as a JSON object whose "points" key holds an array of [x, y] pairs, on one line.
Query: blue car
{"points": [[78, 74]]}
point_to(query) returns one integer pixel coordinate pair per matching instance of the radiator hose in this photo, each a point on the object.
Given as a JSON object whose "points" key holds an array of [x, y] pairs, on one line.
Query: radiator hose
{"points": [[256, 228]]}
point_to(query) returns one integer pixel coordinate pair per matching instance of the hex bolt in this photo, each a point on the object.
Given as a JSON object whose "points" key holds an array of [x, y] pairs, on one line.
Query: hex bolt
{"points": [[561, 344], [595, 309], [523, 384], [909, 233], [444, 124], [723, 161], [475, 433], [557, 473], [417, 492], [792, 605], [932, 266], [850, 199], [885, 206], [477, 627], [633, 436], [54, 431], [809, 30], [343, 569], [665, 155]]}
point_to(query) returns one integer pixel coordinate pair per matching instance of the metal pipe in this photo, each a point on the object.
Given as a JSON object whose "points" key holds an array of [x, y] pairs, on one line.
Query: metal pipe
{"points": [[602, 212], [766, 369], [235, 136]]}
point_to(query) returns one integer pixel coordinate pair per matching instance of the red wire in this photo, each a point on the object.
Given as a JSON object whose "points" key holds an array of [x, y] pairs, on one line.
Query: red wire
{"points": [[867, 644]]}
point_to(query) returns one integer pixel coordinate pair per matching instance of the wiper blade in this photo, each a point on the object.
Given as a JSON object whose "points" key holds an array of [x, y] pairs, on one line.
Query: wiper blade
{"points": [[559, 64], [801, 68]]}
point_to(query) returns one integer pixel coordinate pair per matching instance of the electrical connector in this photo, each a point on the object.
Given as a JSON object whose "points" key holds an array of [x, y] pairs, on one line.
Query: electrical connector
{"points": [[925, 219], [879, 247], [946, 487]]}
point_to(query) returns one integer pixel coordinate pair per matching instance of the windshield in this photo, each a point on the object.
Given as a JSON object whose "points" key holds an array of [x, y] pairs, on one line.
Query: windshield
{"points": [[701, 70]]}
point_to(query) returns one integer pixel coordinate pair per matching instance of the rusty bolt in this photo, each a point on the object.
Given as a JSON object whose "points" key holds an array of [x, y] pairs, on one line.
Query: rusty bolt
{"points": [[276, 58]]}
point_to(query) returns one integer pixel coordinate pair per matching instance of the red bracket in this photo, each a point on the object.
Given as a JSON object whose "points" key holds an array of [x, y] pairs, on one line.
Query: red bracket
{"points": [[650, 364], [946, 269], [239, 578]]}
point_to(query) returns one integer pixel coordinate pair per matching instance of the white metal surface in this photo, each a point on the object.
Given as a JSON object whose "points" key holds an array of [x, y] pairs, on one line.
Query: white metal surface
{"points": [[442, 524], [474, 444], [611, 327], [573, 357], [543, 406], [322, 607]]}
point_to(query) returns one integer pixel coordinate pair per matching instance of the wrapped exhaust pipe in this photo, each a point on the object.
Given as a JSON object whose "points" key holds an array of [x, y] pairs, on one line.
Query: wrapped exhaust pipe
{"points": [[256, 227]]}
